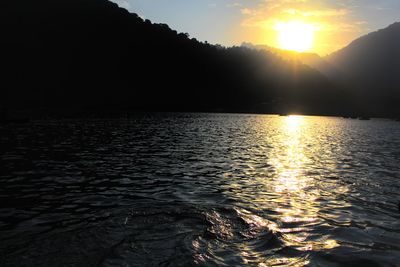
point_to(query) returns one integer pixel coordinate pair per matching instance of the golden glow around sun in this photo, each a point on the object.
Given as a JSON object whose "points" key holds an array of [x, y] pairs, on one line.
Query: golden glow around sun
{"points": [[295, 35]]}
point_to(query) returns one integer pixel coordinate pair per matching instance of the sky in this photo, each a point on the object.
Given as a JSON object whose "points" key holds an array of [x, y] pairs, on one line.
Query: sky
{"points": [[232, 22]]}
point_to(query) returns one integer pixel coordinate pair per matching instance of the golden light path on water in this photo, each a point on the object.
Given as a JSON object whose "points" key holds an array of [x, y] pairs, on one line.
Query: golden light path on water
{"points": [[290, 190], [291, 183], [292, 180]]}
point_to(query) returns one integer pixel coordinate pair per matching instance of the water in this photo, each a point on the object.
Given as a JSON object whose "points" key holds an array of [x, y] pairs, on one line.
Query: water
{"points": [[200, 190]]}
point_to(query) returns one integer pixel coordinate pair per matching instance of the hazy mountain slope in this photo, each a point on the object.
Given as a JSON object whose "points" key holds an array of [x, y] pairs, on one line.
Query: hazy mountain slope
{"points": [[373, 63], [311, 59]]}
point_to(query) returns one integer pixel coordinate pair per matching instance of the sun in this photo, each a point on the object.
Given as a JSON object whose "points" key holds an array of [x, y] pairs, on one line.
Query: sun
{"points": [[295, 35]]}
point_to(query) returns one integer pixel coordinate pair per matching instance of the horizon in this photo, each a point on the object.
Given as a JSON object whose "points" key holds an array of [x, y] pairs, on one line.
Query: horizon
{"points": [[333, 24]]}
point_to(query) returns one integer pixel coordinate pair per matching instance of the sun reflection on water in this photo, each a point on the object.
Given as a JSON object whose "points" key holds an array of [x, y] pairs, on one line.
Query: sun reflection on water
{"points": [[285, 180], [289, 156], [293, 122], [297, 190]]}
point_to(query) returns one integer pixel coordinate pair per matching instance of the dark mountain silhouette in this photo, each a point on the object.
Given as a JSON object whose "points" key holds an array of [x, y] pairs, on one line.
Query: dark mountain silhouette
{"points": [[76, 55], [372, 63]]}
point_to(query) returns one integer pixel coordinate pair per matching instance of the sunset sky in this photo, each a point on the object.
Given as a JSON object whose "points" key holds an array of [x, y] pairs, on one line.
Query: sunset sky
{"points": [[333, 23]]}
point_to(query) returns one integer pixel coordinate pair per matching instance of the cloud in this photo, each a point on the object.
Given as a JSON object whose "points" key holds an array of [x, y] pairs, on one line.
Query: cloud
{"points": [[236, 4], [326, 13], [246, 11]]}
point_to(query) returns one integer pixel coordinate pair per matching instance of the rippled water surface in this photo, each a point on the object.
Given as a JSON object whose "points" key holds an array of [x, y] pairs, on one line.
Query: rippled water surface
{"points": [[200, 190]]}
